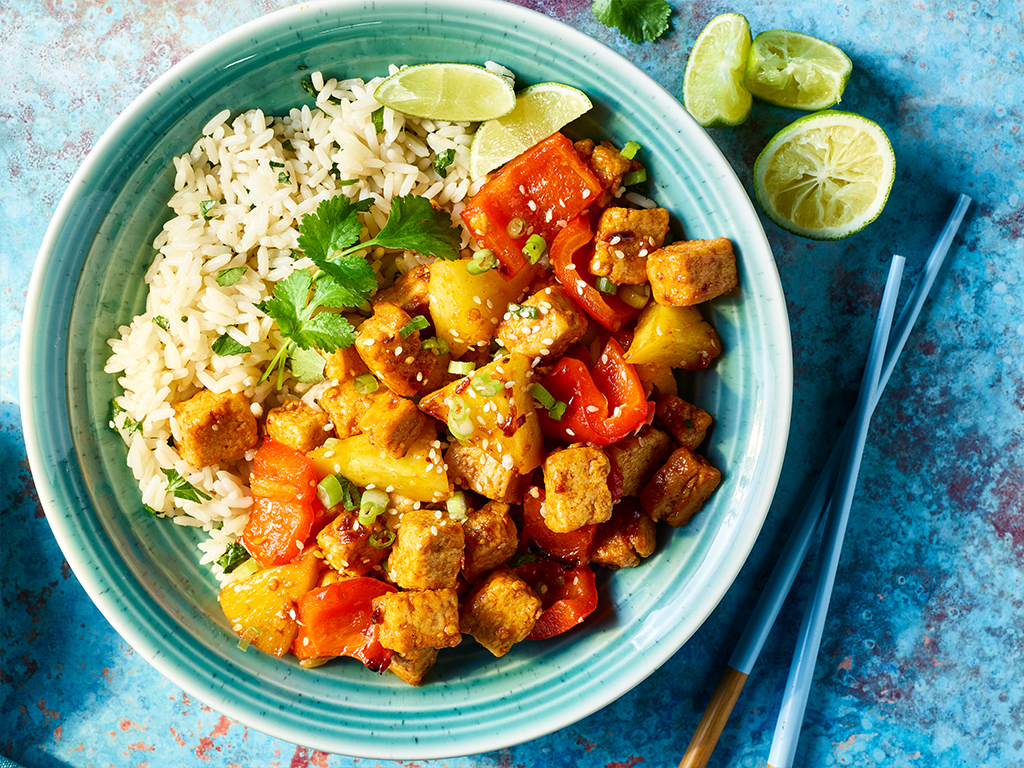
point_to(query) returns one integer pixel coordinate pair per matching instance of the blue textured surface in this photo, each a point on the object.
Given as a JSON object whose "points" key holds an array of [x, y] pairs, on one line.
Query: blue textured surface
{"points": [[923, 649]]}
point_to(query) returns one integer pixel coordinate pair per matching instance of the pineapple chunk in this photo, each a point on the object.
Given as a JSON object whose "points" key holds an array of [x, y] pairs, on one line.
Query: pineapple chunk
{"points": [[505, 425], [465, 308], [266, 601], [419, 474], [675, 336]]}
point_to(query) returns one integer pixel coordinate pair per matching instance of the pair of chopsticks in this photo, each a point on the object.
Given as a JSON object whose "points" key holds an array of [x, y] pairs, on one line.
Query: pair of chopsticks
{"points": [[832, 493]]}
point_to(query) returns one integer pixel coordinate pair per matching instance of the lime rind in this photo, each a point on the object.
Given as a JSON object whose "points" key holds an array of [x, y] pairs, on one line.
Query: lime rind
{"points": [[795, 70], [825, 176], [713, 90], [540, 110], [457, 93]]}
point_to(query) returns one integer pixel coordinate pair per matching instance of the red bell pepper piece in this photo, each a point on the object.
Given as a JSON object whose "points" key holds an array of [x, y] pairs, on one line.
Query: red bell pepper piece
{"points": [[285, 506], [603, 404], [545, 186], [570, 259], [567, 596], [337, 620], [571, 548]]}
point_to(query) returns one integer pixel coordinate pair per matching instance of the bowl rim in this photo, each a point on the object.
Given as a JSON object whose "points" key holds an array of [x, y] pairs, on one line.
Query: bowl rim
{"points": [[33, 417]]}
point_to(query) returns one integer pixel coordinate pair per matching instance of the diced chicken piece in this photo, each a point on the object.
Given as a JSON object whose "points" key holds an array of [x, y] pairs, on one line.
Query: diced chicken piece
{"points": [[685, 422], [693, 271], [413, 666], [474, 468], [415, 620], [491, 539], [625, 539], [576, 488], [392, 424], [428, 551], [345, 407], [679, 489], [657, 378], [344, 365], [500, 611], [624, 239], [399, 361], [298, 426], [348, 545], [215, 427], [559, 324], [609, 166], [639, 456], [410, 291]]}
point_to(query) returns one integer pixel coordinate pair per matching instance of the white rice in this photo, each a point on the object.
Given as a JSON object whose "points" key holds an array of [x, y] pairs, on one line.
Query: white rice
{"points": [[266, 189]]}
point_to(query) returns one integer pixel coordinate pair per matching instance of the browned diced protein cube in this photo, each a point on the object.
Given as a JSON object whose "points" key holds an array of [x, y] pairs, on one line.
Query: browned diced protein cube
{"points": [[628, 537], [639, 456], [687, 423], [428, 551], [398, 361], [474, 468], [500, 611], [344, 365], [413, 620], [679, 489], [392, 424], [491, 539], [692, 271], [624, 239], [559, 324], [576, 488], [215, 427], [345, 407], [410, 291], [609, 166], [346, 544], [413, 666], [298, 426]]}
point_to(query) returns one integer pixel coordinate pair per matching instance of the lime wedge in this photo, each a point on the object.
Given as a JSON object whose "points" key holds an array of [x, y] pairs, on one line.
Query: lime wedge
{"points": [[453, 92], [713, 89], [540, 110], [796, 70], [826, 175]]}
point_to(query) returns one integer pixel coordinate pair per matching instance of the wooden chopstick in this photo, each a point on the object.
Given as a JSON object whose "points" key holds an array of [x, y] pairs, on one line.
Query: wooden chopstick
{"points": [[761, 620]]}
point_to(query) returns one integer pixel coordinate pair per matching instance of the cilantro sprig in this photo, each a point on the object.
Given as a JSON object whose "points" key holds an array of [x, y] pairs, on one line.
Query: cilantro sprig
{"points": [[343, 278], [639, 20]]}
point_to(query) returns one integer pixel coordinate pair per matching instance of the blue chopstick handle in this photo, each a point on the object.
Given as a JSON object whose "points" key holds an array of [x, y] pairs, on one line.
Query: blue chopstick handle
{"points": [[798, 686], [761, 620]]}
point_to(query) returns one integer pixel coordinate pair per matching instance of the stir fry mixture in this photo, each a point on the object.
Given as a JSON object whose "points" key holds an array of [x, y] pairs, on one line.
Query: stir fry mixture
{"points": [[496, 422]]}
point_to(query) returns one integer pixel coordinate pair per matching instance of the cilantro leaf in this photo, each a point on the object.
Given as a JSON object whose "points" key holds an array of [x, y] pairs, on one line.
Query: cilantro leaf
{"points": [[334, 226], [441, 162], [351, 282], [415, 225], [225, 346], [307, 365], [377, 116], [227, 277], [182, 488], [287, 305], [233, 556], [639, 20], [163, 322], [326, 331]]}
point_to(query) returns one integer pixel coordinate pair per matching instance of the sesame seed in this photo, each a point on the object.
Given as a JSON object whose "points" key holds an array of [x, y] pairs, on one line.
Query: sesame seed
{"points": [[549, 215], [337, 468], [619, 254], [370, 486], [547, 342], [570, 266], [328, 427], [615, 240], [592, 409], [569, 432], [586, 194], [389, 489], [506, 461], [419, 376], [545, 351], [410, 360], [398, 351], [368, 342], [534, 492], [531, 205], [642, 253], [476, 300]]}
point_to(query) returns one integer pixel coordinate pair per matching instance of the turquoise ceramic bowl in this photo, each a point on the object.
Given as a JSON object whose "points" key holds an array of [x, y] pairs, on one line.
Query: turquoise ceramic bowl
{"points": [[143, 573]]}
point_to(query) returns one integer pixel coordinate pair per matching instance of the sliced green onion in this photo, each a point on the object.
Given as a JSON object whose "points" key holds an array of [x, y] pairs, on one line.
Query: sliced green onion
{"points": [[520, 310], [372, 505], [634, 177], [461, 368], [249, 568], [484, 385], [629, 151], [516, 227], [636, 296], [335, 489], [534, 248], [457, 408], [382, 539], [557, 411], [366, 384], [482, 261], [163, 322], [250, 634], [459, 422], [555, 408], [604, 285], [418, 323], [457, 507], [500, 352], [436, 345]]}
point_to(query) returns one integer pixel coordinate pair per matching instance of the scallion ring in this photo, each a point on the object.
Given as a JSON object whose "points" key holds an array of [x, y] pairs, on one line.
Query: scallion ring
{"points": [[634, 177], [457, 507], [460, 368], [382, 539], [417, 323], [366, 384], [606, 286], [371, 506], [436, 345], [484, 385], [482, 261], [516, 227], [629, 151], [534, 248]]}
